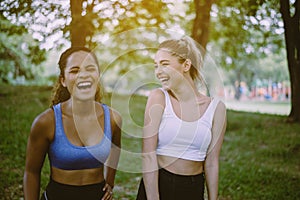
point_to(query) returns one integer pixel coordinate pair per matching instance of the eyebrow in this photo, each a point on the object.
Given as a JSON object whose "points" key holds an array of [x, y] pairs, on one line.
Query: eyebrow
{"points": [[91, 65], [88, 66], [74, 67], [161, 61]]}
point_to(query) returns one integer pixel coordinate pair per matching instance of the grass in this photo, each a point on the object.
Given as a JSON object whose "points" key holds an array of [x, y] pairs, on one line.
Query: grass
{"points": [[259, 157]]}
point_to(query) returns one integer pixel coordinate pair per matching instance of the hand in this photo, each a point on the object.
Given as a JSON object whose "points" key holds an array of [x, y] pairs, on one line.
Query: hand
{"points": [[108, 192]]}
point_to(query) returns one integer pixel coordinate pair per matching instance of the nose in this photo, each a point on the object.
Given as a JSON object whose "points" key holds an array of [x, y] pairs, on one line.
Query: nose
{"points": [[83, 74], [158, 70]]}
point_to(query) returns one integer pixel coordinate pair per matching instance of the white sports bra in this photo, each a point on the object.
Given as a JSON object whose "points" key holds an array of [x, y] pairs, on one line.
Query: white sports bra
{"points": [[182, 139]]}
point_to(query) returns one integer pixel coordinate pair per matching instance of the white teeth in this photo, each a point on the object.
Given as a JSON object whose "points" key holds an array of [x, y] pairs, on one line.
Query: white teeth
{"points": [[84, 84]]}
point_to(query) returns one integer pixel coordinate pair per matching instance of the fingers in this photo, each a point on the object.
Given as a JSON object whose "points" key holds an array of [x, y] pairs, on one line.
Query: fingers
{"points": [[108, 192]]}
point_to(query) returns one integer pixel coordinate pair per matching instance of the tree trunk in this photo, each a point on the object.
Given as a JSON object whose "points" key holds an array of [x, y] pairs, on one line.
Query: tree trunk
{"points": [[292, 41], [77, 30], [200, 32]]}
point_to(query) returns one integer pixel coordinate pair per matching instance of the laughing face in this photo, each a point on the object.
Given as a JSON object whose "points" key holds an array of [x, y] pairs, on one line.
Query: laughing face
{"points": [[81, 76], [168, 70]]}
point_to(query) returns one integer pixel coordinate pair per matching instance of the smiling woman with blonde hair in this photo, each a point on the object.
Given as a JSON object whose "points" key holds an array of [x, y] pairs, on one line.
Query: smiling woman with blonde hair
{"points": [[183, 129]]}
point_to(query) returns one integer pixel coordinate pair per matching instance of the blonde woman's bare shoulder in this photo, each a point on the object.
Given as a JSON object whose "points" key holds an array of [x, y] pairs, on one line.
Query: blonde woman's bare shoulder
{"points": [[220, 116], [221, 107], [157, 96]]}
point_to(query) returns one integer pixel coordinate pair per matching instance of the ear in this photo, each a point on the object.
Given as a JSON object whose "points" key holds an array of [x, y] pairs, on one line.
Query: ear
{"points": [[62, 81], [187, 65]]}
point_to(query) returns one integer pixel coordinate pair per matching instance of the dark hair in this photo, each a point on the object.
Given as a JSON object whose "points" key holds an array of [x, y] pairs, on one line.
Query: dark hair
{"points": [[61, 93], [185, 48]]}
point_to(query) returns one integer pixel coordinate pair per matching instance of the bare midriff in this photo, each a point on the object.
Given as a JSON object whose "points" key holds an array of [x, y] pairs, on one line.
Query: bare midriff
{"points": [[77, 177], [180, 166]]}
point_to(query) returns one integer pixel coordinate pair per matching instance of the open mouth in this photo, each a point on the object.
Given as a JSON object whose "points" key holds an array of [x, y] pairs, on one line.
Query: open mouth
{"points": [[163, 80], [84, 85]]}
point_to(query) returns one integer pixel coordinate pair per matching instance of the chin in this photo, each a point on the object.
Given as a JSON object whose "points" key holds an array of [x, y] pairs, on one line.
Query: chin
{"points": [[82, 99], [89, 97], [166, 87]]}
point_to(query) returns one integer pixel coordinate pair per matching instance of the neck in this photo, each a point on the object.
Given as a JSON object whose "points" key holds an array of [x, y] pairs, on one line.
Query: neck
{"points": [[186, 91], [82, 108]]}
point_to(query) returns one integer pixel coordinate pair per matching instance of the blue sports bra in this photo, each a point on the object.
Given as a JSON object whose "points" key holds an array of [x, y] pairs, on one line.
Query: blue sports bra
{"points": [[65, 155]]}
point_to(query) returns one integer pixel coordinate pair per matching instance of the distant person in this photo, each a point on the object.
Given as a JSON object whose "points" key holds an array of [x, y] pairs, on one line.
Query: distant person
{"points": [[183, 129], [80, 135], [238, 91]]}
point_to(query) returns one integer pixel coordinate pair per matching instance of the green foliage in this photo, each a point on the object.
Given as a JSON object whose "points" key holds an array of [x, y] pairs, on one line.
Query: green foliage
{"points": [[259, 158], [98, 17], [258, 73], [43, 18], [116, 17], [247, 30], [247, 33], [242, 31], [273, 67], [20, 53]]}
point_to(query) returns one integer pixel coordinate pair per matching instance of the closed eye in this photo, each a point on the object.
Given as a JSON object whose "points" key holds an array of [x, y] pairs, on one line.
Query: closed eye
{"points": [[162, 63], [74, 70], [165, 63], [91, 68]]}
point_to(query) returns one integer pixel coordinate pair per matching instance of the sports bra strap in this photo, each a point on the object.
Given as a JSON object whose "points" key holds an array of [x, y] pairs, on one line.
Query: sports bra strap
{"points": [[167, 99], [107, 126], [58, 118], [64, 155], [208, 114]]}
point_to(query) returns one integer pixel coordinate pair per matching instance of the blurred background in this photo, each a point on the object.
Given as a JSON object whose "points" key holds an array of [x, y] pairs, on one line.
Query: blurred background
{"points": [[247, 40], [251, 51]]}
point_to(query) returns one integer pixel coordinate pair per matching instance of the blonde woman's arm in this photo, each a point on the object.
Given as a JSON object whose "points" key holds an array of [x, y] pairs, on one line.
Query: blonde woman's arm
{"points": [[153, 113], [211, 166]]}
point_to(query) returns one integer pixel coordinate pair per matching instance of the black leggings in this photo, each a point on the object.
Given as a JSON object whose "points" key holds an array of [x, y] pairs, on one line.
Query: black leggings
{"points": [[59, 191], [176, 187]]}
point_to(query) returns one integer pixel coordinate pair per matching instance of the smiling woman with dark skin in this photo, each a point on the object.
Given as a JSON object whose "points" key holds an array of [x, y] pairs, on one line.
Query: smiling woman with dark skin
{"points": [[81, 136]]}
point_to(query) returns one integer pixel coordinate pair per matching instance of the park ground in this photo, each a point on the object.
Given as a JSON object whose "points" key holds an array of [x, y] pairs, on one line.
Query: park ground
{"points": [[259, 158], [263, 107]]}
